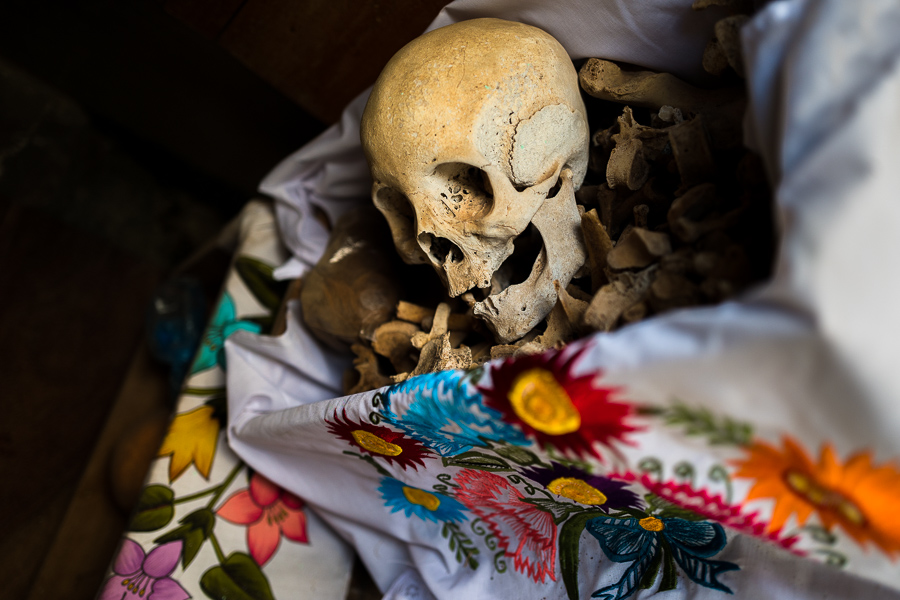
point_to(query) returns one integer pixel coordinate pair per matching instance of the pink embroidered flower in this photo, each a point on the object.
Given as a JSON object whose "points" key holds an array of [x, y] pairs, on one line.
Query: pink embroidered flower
{"points": [[269, 512], [523, 531], [145, 576]]}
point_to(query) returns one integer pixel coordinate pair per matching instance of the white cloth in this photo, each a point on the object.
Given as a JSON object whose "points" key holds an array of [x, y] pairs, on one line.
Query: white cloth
{"points": [[809, 355]]}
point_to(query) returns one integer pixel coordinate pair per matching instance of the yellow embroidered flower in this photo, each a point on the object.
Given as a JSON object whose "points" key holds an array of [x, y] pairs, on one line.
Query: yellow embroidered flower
{"points": [[191, 438], [857, 495]]}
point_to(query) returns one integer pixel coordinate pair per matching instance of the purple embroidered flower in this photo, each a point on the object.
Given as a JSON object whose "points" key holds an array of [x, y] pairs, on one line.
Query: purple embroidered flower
{"points": [[140, 576], [584, 488]]}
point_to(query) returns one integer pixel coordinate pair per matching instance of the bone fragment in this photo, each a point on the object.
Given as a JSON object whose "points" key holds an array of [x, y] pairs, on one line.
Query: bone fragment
{"points": [[616, 297], [439, 355], [638, 249], [728, 36], [627, 166], [353, 288], [641, 212], [503, 351], [598, 245], [714, 60], [366, 366], [692, 153], [573, 307], [700, 201], [407, 311], [671, 290], [722, 108], [438, 327], [740, 5], [393, 340], [634, 313]]}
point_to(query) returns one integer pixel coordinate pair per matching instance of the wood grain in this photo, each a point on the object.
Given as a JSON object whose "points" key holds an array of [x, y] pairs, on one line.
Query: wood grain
{"points": [[323, 53]]}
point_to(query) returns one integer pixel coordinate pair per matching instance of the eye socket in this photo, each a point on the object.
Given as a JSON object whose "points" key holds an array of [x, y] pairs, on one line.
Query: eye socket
{"points": [[465, 190], [389, 200], [401, 218]]}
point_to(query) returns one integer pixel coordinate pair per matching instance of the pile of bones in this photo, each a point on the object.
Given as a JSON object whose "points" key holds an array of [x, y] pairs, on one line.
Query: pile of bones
{"points": [[551, 201]]}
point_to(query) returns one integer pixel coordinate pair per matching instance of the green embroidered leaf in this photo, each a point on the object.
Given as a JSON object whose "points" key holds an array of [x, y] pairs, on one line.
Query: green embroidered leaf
{"points": [[258, 277], [478, 461], [560, 510], [237, 578], [194, 530], [664, 509], [517, 454], [651, 572], [154, 509], [466, 551], [569, 542], [700, 421], [670, 571]]}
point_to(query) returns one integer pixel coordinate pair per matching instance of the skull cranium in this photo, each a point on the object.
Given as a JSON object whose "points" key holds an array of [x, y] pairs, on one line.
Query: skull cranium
{"points": [[469, 132]]}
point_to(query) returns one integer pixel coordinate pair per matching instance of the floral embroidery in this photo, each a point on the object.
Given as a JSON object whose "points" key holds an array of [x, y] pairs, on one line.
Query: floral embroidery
{"points": [[523, 531], [712, 507], [428, 506], [192, 438], [269, 512], [447, 414], [582, 487], [540, 394], [379, 441], [654, 543], [144, 576], [223, 323], [856, 495]]}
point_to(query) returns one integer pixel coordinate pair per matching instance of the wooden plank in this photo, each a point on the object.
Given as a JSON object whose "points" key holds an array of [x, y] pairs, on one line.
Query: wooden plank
{"points": [[207, 17], [323, 53], [93, 522], [71, 314]]}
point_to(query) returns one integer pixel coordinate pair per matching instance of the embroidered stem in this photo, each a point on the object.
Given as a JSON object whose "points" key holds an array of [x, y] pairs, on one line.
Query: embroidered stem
{"points": [[651, 466], [198, 391], [685, 470], [218, 549], [369, 460], [460, 542], [224, 485], [719, 474]]}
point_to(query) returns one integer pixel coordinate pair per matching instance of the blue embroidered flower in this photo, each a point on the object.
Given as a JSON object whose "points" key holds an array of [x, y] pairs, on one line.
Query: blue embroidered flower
{"points": [[224, 322], [653, 543], [447, 414], [428, 506]]}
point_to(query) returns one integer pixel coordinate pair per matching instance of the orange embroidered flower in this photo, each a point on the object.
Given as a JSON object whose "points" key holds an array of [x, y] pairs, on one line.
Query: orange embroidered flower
{"points": [[859, 496], [540, 394]]}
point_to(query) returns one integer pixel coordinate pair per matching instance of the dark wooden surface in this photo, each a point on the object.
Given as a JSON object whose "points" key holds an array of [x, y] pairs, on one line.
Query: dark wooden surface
{"points": [[319, 53], [202, 95], [71, 316]]}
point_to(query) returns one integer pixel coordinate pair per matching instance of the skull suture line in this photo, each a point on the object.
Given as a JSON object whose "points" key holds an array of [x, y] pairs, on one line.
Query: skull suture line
{"points": [[468, 130]]}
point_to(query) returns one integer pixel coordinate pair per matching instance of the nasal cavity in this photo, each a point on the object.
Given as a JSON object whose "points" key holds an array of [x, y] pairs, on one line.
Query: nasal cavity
{"points": [[440, 249]]}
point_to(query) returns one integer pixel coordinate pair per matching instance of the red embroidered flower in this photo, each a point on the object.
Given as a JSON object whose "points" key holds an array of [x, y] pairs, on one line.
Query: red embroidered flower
{"points": [[539, 394], [377, 440], [523, 531], [269, 512]]}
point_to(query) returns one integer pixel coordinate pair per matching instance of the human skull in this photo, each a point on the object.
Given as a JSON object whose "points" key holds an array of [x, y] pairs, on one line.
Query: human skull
{"points": [[469, 132]]}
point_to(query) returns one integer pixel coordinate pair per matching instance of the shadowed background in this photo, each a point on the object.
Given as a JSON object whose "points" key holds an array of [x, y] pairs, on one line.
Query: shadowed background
{"points": [[130, 133]]}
